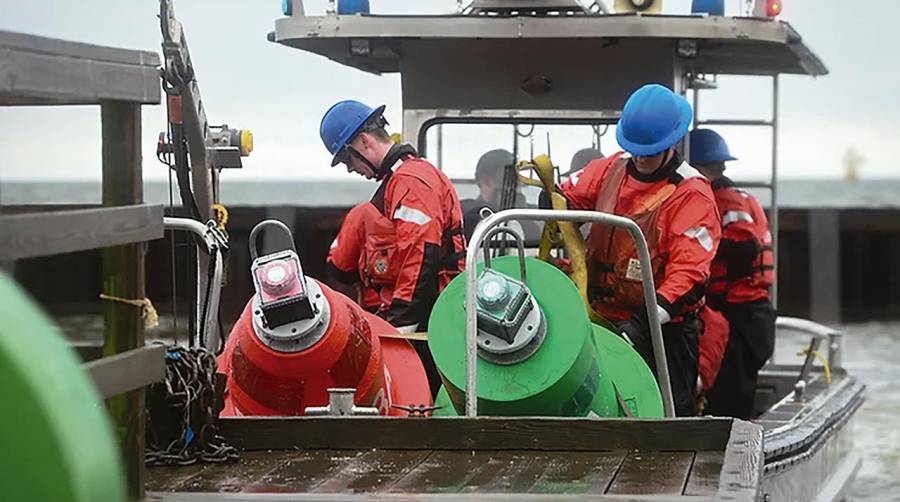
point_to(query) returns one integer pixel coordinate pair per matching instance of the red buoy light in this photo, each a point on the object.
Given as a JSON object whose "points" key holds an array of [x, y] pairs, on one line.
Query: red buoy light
{"points": [[768, 8]]}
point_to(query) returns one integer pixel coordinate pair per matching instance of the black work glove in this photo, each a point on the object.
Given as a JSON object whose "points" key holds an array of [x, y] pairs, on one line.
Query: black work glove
{"points": [[636, 331]]}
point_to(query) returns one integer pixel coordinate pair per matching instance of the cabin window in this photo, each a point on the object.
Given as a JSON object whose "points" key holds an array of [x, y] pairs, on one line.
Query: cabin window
{"points": [[456, 147]]}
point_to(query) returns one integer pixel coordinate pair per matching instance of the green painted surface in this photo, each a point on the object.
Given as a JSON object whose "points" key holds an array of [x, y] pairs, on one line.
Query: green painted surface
{"points": [[574, 373], [55, 439], [629, 373], [557, 380]]}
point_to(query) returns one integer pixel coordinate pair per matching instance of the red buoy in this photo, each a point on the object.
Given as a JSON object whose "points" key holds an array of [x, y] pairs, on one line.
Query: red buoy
{"points": [[296, 338]]}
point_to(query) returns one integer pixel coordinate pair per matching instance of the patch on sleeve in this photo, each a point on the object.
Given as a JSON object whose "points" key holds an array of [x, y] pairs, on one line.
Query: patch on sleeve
{"points": [[633, 272]]}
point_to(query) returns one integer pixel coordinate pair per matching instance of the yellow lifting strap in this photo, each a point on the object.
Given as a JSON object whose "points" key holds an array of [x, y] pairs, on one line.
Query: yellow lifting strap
{"points": [[564, 233]]}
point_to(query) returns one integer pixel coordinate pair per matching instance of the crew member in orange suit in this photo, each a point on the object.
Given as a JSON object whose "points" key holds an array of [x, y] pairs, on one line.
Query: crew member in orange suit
{"points": [[742, 274], [417, 237], [350, 270], [674, 206], [712, 347]]}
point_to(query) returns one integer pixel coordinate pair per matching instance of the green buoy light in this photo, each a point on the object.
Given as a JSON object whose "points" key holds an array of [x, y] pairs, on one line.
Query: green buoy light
{"points": [[493, 289], [510, 323]]}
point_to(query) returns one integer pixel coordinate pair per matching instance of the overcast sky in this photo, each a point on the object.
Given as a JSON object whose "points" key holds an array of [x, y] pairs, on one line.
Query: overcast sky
{"points": [[281, 93]]}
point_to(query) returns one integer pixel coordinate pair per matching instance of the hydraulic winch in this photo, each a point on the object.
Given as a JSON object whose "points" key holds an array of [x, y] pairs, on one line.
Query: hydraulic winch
{"points": [[297, 338]]}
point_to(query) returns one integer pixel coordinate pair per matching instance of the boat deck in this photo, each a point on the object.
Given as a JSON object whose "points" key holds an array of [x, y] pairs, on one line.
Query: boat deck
{"points": [[673, 473], [472, 459]]}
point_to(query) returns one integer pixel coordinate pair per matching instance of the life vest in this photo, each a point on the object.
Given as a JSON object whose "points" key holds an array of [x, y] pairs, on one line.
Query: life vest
{"points": [[614, 271], [743, 220]]}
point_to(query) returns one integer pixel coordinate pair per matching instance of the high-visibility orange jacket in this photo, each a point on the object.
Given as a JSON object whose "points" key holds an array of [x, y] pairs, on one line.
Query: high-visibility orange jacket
{"points": [[414, 245], [675, 209], [743, 270]]}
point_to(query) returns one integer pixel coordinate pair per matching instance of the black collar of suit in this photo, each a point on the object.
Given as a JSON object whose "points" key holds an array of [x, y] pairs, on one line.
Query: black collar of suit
{"points": [[722, 182], [667, 171], [396, 154]]}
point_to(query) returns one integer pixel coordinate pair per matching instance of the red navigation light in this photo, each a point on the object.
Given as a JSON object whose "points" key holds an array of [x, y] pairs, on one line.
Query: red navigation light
{"points": [[768, 8]]}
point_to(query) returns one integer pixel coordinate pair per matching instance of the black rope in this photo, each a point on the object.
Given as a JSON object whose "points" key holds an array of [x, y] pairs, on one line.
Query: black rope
{"points": [[181, 412]]}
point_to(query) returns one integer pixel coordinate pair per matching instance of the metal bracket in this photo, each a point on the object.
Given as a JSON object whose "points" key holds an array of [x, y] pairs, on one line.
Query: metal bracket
{"points": [[340, 404], [416, 410], [520, 246], [254, 235], [834, 337], [819, 333], [216, 243]]}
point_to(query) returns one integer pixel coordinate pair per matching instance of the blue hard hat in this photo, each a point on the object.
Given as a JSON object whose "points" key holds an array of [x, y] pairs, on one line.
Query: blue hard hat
{"points": [[707, 147], [341, 123], [654, 118]]}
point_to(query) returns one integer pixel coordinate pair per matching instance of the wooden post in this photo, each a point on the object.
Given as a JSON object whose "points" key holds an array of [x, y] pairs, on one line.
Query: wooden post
{"points": [[123, 277], [825, 265]]}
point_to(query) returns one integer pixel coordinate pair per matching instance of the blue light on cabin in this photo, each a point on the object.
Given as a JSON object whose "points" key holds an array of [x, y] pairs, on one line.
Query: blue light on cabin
{"points": [[286, 8], [347, 7], [711, 7]]}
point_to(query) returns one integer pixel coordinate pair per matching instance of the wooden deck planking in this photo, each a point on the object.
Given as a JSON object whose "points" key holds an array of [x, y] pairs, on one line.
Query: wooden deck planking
{"points": [[236, 476], [371, 471], [174, 478], [303, 472], [705, 472], [508, 472], [443, 471], [523, 471], [662, 473], [454, 472], [579, 472]]}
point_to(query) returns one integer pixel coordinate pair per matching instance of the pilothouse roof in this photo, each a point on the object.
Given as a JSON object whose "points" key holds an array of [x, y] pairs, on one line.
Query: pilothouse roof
{"points": [[700, 44]]}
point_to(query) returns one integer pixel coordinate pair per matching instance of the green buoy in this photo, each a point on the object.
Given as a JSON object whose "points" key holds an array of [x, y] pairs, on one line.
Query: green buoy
{"points": [[539, 354], [57, 443]]}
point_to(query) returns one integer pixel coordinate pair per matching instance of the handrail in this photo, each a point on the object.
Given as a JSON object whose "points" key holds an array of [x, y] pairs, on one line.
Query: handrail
{"points": [[208, 323], [659, 351], [820, 331]]}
